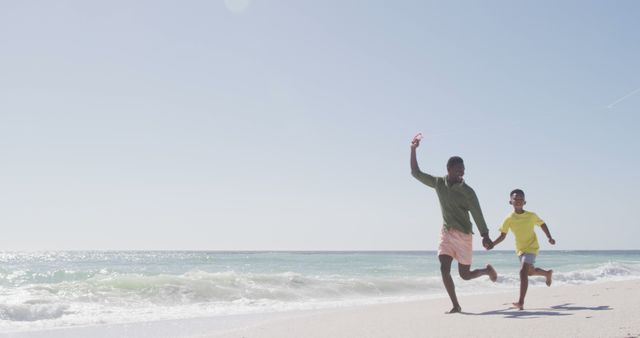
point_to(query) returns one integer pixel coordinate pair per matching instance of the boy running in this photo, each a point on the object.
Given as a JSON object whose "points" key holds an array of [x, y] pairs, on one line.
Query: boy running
{"points": [[521, 223]]}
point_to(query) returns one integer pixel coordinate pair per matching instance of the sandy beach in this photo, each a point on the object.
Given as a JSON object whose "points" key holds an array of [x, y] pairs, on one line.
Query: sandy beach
{"points": [[596, 310]]}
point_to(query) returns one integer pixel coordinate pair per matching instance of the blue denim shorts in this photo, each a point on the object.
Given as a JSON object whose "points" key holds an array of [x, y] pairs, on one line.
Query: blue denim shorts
{"points": [[529, 258]]}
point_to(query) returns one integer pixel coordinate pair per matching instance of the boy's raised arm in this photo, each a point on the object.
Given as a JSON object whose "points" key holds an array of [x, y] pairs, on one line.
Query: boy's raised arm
{"points": [[546, 232]]}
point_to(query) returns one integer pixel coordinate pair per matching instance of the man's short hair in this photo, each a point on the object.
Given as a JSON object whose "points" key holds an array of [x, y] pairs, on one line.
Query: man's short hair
{"points": [[454, 160], [517, 191]]}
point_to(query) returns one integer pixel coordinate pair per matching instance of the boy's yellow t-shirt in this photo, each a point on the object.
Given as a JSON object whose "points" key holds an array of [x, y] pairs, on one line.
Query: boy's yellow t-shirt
{"points": [[522, 227]]}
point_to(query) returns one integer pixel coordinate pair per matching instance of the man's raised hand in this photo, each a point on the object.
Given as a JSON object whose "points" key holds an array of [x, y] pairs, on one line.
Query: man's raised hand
{"points": [[415, 143]]}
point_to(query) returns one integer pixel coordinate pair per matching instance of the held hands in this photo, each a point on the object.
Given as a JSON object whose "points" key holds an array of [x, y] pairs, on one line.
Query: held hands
{"points": [[552, 241], [487, 243]]}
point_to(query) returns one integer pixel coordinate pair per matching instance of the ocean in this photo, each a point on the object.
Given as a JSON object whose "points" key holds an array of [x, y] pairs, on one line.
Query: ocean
{"points": [[47, 290]]}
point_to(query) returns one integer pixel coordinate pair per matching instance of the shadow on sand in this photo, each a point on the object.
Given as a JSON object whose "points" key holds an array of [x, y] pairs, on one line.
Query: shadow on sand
{"points": [[567, 309]]}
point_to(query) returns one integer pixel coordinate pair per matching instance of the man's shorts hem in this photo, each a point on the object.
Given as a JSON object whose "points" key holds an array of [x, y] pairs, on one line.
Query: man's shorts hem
{"points": [[456, 244]]}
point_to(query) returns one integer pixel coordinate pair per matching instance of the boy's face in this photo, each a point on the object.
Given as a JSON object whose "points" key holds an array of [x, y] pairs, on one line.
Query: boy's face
{"points": [[518, 201], [456, 172]]}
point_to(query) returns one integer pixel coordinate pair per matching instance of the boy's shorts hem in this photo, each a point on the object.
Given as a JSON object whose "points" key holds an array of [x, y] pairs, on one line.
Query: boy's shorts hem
{"points": [[529, 258]]}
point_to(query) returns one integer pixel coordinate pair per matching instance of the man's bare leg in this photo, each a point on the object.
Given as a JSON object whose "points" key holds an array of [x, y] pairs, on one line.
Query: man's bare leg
{"points": [[445, 271]]}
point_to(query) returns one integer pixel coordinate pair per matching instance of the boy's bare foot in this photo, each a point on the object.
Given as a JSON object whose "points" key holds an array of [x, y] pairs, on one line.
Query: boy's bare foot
{"points": [[518, 306], [455, 309], [548, 281], [493, 275]]}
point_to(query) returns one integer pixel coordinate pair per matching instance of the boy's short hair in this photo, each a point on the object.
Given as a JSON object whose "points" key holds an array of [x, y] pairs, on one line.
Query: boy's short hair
{"points": [[454, 160], [517, 191]]}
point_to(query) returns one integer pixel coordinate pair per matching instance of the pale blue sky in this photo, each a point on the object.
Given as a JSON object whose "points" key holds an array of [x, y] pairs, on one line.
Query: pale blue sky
{"points": [[286, 126]]}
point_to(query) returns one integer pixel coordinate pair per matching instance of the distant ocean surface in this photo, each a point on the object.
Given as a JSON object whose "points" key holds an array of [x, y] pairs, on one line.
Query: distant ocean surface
{"points": [[44, 290]]}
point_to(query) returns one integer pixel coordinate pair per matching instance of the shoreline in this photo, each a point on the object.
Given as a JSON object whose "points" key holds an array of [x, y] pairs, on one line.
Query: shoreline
{"points": [[606, 309]]}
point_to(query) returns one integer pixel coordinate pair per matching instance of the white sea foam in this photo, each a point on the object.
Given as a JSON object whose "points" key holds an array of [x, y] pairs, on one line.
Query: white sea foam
{"points": [[91, 289], [32, 311]]}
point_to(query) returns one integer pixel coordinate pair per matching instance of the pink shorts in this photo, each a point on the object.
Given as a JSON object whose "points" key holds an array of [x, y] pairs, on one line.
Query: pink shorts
{"points": [[456, 244]]}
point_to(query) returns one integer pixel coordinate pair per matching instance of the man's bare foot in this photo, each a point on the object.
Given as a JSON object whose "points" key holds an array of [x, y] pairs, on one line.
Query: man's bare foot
{"points": [[549, 275], [518, 305], [493, 275], [455, 309]]}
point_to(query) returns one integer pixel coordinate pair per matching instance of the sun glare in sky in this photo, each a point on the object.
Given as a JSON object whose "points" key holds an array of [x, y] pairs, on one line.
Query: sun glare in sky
{"points": [[237, 6]]}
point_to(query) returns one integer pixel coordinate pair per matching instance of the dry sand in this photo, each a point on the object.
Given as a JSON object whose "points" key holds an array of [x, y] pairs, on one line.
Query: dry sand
{"points": [[609, 309]]}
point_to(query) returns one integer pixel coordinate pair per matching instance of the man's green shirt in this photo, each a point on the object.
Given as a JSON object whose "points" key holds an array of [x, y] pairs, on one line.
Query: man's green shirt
{"points": [[456, 202]]}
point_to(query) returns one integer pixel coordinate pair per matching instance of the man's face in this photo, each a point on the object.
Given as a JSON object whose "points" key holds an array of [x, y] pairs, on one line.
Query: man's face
{"points": [[456, 172], [517, 200]]}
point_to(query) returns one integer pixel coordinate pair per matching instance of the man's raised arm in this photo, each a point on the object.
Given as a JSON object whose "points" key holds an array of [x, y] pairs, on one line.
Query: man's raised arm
{"points": [[415, 169]]}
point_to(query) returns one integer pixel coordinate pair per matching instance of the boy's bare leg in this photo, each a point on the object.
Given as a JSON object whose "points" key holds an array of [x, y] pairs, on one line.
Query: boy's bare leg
{"points": [[445, 271], [548, 274], [467, 274], [525, 271]]}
